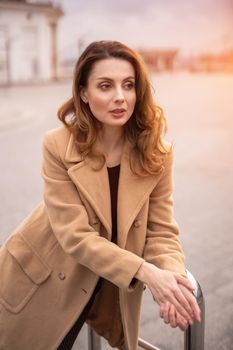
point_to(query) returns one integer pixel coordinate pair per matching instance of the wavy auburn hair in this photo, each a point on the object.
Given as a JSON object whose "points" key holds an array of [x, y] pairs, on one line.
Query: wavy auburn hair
{"points": [[147, 125]]}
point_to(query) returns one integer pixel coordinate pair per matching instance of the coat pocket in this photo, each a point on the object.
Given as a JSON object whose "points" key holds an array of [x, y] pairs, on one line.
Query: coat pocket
{"points": [[22, 271]]}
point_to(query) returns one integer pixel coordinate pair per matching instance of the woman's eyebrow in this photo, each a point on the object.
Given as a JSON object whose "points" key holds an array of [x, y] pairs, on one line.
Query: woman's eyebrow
{"points": [[107, 78]]}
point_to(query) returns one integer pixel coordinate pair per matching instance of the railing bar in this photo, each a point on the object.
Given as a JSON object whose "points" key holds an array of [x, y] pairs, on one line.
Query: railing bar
{"points": [[145, 345]]}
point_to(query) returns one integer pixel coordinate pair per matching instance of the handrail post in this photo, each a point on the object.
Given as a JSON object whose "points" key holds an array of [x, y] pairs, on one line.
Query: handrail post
{"points": [[94, 341], [194, 336]]}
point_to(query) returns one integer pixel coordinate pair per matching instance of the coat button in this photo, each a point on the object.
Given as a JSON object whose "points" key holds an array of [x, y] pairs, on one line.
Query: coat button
{"points": [[137, 223], [61, 275], [95, 221]]}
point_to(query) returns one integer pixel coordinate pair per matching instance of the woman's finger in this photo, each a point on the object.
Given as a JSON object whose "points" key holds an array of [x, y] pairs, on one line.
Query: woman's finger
{"points": [[161, 311], [164, 310], [184, 281], [181, 322], [171, 297], [178, 306], [184, 301], [192, 302], [172, 316]]}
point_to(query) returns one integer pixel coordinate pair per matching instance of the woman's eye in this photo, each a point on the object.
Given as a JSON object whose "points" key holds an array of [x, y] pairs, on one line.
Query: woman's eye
{"points": [[105, 86], [129, 86]]}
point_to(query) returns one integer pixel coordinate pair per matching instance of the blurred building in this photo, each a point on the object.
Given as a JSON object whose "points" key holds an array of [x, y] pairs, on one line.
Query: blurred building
{"points": [[222, 62], [209, 62], [159, 60], [28, 41]]}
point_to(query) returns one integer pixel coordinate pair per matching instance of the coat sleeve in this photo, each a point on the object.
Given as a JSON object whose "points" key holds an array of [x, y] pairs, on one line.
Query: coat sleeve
{"points": [[163, 247], [70, 224]]}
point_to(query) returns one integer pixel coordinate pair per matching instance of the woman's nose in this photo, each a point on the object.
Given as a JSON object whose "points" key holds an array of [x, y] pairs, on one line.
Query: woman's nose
{"points": [[119, 96]]}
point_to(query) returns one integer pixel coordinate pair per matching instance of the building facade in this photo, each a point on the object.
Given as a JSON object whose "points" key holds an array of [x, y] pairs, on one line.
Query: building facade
{"points": [[28, 41], [159, 60]]}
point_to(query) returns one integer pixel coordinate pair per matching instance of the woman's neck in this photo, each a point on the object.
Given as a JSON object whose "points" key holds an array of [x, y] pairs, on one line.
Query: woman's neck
{"points": [[112, 141]]}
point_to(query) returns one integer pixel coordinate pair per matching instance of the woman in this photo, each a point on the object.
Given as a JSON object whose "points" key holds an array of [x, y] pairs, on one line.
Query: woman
{"points": [[105, 228]]}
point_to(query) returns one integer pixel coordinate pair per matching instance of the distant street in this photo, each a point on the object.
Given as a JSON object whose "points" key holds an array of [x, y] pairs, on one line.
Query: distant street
{"points": [[199, 111]]}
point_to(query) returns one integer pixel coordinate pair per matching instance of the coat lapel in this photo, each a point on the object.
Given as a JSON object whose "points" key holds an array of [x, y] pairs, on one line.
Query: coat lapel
{"points": [[72, 154], [133, 190], [93, 184]]}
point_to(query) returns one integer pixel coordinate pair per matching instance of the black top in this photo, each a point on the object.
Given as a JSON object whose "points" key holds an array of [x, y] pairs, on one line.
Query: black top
{"points": [[113, 175]]}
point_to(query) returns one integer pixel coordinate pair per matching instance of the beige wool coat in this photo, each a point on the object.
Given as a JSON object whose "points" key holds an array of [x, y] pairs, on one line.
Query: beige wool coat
{"points": [[51, 263]]}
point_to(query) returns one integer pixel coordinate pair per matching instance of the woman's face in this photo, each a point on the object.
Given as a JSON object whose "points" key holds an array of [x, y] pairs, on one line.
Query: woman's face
{"points": [[110, 91]]}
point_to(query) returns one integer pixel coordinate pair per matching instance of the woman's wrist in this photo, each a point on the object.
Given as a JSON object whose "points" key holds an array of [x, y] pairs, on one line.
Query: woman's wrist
{"points": [[140, 273], [143, 271]]}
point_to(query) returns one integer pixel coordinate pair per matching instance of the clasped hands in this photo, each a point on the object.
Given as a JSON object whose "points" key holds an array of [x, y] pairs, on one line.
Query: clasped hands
{"points": [[173, 293]]}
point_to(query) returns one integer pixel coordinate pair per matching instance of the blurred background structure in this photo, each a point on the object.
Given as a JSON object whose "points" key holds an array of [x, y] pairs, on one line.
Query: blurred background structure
{"points": [[41, 40], [28, 41], [188, 47]]}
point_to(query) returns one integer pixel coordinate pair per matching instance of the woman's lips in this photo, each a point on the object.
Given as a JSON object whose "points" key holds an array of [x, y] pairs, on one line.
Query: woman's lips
{"points": [[118, 112]]}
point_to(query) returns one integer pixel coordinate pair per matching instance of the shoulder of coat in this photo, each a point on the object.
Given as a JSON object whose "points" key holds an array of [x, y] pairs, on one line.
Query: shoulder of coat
{"points": [[60, 132], [61, 136]]}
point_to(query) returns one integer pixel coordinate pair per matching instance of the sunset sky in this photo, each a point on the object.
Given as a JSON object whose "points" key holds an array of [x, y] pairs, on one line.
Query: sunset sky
{"points": [[193, 26]]}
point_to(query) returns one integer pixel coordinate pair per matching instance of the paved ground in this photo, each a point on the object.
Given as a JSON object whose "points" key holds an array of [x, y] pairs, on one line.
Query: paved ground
{"points": [[199, 110]]}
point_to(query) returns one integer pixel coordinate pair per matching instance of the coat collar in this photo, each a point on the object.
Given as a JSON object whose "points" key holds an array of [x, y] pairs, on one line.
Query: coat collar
{"points": [[133, 190], [72, 154]]}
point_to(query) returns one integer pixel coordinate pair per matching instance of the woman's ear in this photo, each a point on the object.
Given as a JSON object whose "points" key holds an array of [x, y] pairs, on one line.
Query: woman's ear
{"points": [[83, 94]]}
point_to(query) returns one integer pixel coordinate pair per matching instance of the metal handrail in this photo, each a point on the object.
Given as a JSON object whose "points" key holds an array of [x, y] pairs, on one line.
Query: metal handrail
{"points": [[94, 341], [193, 336], [145, 345]]}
